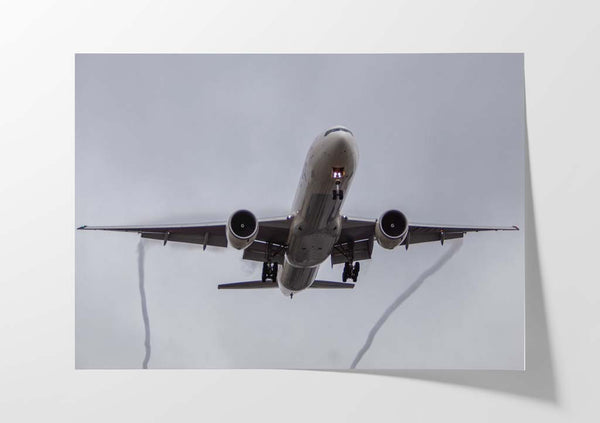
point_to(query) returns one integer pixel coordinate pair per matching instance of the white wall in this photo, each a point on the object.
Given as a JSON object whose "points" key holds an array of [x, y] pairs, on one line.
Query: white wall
{"points": [[37, 376]]}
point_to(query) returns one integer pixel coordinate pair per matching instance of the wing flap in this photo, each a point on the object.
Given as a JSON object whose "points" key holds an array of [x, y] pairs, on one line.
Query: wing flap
{"points": [[259, 251], [213, 239], [419, 237], [352, 251]]}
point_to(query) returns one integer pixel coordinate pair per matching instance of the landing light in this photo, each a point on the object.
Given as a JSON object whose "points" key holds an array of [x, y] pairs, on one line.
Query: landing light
{"points": [[337, 172]]}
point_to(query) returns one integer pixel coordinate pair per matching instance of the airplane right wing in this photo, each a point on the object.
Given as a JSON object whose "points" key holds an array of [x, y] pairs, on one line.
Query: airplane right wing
{"points": [[270, 230], [212, 234]]}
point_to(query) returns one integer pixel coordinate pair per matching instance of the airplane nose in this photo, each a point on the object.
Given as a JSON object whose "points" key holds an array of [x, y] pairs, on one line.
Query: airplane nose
{"points": [[340, 142], [340, 146], [338, 135]]}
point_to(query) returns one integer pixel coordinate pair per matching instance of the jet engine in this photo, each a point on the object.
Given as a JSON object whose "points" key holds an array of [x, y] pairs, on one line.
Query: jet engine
{"points": [[242, 228], [391, 229]]}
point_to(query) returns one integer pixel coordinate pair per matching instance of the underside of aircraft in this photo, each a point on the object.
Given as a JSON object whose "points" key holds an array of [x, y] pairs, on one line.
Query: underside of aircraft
{"points": [[314, 231], [267, 242]]}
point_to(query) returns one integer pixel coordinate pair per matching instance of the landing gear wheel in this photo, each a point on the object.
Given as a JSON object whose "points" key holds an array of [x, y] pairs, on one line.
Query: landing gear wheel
{"points": [[351, 271], [355, 271], [274, 272], [338, 194], [265, 272], [269, 271], [347, 273]]}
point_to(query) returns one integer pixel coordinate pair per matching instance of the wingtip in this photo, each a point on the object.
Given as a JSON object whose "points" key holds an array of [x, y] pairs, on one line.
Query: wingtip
{"points": [[516, 227], [82, 227]]}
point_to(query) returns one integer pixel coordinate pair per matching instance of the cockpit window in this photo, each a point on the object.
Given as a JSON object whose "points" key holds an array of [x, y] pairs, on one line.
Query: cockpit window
{"points": [[338, 129]]}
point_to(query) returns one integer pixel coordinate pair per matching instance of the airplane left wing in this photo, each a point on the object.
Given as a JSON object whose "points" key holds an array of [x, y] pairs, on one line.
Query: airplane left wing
{"points": [[424, 232], [356, 238]]}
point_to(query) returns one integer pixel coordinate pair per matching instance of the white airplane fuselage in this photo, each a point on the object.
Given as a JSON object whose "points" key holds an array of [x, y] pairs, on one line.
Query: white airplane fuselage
{"points": [[329, 166]]}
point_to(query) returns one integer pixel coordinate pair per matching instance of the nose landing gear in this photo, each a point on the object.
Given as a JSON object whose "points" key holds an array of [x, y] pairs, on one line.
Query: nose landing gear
{"points": [[269, 271], [350, 271], [337, 192]]}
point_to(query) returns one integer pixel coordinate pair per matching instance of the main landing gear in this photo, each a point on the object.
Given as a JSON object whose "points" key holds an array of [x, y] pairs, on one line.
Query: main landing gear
{"points": [[351, 268], [269, 271], [350, 272]]}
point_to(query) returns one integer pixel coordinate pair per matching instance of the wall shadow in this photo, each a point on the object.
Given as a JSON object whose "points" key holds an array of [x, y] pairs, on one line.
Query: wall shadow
{"points": [[538, 381]]}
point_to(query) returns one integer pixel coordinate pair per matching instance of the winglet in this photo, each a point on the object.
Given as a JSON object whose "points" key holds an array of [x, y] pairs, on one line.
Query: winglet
{"points": [[82, 227], [516, 227]]}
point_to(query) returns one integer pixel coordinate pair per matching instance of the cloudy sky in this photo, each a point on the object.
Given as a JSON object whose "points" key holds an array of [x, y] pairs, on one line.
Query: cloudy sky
{"points": [[192, 138]]}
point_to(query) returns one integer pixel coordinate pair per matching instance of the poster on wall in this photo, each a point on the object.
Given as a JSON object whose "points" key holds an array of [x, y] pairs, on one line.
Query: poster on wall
{"points": [[299, 211]]}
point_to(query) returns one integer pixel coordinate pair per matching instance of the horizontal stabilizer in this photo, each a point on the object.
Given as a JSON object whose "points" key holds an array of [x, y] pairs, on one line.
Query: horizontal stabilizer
{"points": [[330, 284], [261, 284], [248, 285]]}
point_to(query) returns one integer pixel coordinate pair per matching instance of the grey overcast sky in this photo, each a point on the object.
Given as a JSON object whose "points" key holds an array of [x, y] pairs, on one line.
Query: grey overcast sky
{"points": [[192, 138]]}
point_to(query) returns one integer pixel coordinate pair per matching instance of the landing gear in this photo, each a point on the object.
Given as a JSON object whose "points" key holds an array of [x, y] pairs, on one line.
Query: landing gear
{"points": [[269, 271], [351, 272], [355, 271], [337, 192]]}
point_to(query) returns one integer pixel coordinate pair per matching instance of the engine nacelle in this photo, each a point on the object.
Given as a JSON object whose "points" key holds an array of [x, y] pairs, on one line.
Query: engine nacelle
{"points": [[391, 229], [242, 228]]}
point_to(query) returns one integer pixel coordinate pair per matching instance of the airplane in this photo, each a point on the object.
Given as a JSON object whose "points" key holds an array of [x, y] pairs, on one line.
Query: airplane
{"points": [[314, 231]]}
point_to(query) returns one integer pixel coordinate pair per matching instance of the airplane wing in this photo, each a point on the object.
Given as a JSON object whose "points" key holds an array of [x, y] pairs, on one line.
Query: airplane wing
{"points": [[274, 230], [425, 232], [356, 238]]}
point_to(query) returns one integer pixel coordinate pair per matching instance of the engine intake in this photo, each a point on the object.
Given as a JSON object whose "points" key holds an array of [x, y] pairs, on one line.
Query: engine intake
{"points": [[242, 228], [391, 229]]}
